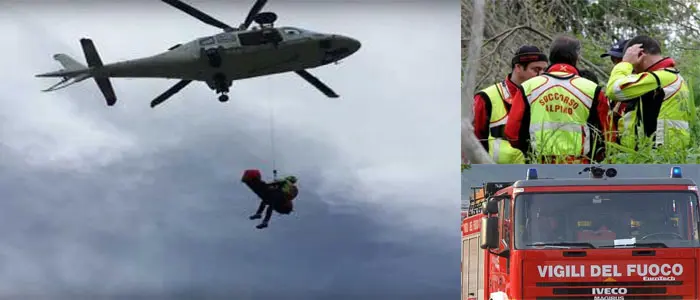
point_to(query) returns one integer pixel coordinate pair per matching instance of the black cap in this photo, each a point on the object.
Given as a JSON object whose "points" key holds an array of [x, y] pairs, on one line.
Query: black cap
{"points": [[616, 50], [527, 54]]}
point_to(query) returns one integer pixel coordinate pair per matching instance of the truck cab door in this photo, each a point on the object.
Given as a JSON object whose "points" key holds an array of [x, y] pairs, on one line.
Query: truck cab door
{"points": [[500, 266]]}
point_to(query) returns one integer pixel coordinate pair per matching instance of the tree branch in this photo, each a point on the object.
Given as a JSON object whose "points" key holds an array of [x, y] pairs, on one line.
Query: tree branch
{"points": [[471, 147], [587, 62]]}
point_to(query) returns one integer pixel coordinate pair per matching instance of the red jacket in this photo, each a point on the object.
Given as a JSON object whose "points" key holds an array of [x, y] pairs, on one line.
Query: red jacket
{"points": [[517, 132], [482, 113]]}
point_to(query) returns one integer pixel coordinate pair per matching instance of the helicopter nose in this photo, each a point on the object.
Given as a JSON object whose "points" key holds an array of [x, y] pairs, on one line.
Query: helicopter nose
{"points": [[338, 47], [349, 44], [346, 45]]}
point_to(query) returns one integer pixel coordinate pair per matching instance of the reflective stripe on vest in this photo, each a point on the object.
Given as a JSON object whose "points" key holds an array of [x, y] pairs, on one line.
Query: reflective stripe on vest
{"points": [[674, 112], [496, 149], [497, 94], [661, 126], [673, 88], [503, 153], [559, 110], [585, 99], [625, 129], [499, 119], [575, 128]]}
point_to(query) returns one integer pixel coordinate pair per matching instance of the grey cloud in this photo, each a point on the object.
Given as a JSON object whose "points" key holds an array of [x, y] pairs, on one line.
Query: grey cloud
{"points": [[180, 228]]}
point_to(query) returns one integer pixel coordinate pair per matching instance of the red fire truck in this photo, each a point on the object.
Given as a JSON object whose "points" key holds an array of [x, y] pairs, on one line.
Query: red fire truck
{"points": [[586, 238]]}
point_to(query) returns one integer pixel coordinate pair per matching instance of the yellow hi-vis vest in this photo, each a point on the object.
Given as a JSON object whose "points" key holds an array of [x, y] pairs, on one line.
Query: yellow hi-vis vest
{"points": [[625, 127], [658, 101], [500, 149], [559, 106]]}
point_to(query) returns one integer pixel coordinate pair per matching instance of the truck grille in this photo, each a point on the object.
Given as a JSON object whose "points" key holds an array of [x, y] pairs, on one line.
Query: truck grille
{"points": [[648, 290]]}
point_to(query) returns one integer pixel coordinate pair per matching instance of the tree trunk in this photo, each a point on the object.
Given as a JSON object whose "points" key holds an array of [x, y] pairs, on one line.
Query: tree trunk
{"points": [[471, 147]]}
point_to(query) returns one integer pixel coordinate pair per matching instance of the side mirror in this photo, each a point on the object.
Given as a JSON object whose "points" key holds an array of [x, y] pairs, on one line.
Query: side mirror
{"points": [[491, 206], [489, 233]]}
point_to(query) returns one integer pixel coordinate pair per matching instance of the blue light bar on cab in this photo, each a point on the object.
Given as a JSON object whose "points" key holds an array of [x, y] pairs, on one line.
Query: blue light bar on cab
{"points": [[531, 174], [676, 172]]}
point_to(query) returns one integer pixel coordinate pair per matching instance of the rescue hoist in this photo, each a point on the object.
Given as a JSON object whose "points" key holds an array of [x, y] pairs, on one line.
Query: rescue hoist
{"points": [[272, 137]]}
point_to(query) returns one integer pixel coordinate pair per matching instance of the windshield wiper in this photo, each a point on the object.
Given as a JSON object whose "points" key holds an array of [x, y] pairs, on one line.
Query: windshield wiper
{"points": [[638, 245], [563, 244]]}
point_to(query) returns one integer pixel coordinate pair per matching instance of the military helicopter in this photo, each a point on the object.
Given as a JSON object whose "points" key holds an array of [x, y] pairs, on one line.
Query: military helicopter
{"points": [[236, 53]]}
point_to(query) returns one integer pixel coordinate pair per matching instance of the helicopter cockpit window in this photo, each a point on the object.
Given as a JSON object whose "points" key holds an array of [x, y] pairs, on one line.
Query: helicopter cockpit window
{"points": [[225, 37], [259, 37], [207, 41]]}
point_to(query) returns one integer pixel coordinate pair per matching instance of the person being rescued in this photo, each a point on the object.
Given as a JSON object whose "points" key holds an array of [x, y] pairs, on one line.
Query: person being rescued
{"points": [[276, 195]]}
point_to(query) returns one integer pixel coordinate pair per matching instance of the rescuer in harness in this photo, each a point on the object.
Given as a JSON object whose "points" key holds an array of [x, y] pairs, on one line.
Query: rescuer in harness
{"points": [[276, 195], [657, 98], [559, 116], [491, 105]]}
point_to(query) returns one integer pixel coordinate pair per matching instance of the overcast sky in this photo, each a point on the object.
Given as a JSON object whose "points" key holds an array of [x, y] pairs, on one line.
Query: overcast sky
{"points": [[480, 174], [132, 200]]}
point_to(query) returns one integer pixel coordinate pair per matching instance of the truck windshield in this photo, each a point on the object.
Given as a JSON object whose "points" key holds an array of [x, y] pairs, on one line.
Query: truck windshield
{"points": [[606, 219]]}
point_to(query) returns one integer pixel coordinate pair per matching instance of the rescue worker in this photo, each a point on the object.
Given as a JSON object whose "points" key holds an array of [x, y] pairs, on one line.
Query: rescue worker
{"points": [[491, 105], [558, 117], [616, 52], [618, 108], [657, 97], [279, 197]]}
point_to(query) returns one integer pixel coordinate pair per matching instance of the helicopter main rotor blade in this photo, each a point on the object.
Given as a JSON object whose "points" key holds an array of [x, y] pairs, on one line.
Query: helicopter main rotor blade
{"points": [[198, 14], [257, 7], [171, 91], [317, 83]]}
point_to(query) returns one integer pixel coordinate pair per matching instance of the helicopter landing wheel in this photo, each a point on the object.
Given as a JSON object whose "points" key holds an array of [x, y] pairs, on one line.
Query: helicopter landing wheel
{"points": [[223, 98]]}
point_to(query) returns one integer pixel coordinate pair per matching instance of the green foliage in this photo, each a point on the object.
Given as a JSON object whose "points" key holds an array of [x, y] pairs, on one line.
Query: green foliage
{"points": [[466, 167], [646, 153], [689, 65]]}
